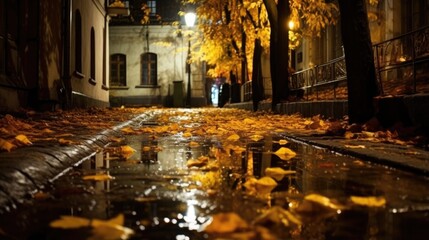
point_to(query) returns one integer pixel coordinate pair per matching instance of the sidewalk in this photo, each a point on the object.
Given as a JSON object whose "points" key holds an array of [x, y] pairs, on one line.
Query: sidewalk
{"points": [[27, 169]]}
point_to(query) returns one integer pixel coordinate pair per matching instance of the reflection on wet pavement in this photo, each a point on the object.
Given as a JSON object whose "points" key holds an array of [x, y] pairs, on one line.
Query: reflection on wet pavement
{"points": [[162, 198]]}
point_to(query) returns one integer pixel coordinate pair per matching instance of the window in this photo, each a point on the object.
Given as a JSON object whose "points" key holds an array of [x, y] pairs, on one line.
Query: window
{"points": [[78, 43], [152, 6], [118, 70], [149, 69], [92, 67]]}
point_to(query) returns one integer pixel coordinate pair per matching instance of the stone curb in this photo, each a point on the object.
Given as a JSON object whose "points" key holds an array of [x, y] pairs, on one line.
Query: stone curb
{"points": [[26, 170]]}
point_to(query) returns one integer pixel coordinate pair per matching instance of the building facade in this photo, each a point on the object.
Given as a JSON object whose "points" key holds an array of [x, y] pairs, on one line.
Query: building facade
{"points": [[53, 54], [148, 60]]}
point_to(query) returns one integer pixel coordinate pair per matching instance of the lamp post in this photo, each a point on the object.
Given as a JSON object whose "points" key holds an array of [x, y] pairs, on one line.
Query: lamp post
{"points": [[190, 21]]}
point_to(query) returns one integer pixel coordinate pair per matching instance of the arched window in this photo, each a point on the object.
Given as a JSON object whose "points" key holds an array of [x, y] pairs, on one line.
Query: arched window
{"points": [[78, 43], [118, 68], [149, 69], [92, 67]]}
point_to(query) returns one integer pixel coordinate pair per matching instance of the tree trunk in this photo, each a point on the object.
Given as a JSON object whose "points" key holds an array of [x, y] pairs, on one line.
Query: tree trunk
{"points": [[361, 79], [282, 51], [257, 87], [278, 15]]}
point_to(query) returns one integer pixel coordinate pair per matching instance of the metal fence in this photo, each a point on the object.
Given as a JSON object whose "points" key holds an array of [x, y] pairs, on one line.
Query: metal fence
{"points": [[403, 63], [402, 66]]}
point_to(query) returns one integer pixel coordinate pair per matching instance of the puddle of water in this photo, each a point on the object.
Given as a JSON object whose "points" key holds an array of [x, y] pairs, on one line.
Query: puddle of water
{"points": [[160, 198]]}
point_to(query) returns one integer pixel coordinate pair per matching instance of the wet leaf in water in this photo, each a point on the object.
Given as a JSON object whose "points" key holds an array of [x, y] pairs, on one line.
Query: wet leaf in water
{"points": [[193, 144], [277, 215], [265, 185], [324, 201], [283, 142], [370, 201], [199, 162], [256, 137], [70, 222], [98, 177], [101, 229], [225, 223], [278, 173], [285, 153], [127, 151]]}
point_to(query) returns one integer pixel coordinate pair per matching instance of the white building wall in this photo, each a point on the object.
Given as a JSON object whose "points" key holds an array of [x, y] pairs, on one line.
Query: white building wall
{"points": [[171, 51], [93, 14]]}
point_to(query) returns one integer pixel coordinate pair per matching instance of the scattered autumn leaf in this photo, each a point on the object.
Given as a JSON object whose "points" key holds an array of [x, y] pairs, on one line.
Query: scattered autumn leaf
{"points": [[63, 141], [225, 223], [193, 144], [285, 153], [277, 215], [101, 229], [23, 140], [256, 137], [370, 201], [354, 146], [6, 145], [233, 137], [278, 173], [98, 177]]}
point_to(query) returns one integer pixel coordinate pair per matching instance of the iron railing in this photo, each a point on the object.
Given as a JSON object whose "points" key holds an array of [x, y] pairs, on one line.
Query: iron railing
{"points": [[402, 66], [403, 63], [324, 77]]}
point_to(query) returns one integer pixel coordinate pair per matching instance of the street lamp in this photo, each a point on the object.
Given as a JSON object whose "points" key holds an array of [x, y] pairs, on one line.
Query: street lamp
{"points": [[190, 21]]}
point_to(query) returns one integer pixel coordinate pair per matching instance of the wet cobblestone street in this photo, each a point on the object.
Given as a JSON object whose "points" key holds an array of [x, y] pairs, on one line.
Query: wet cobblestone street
{"points": [[176, 181]]}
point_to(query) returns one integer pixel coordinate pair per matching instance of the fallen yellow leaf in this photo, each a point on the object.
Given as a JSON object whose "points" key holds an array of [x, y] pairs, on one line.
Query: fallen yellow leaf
{"points": [[225, 223], [101, 229], [63, 141], [98, 177], [277, 215], [285, 153], [354, 146], [22, 139], [127, 130], [369, 201], [233, 137], [322, 200], [278, 173], [256, 137], [265, 185], [6, 145], [127, 149], [187, 135]]}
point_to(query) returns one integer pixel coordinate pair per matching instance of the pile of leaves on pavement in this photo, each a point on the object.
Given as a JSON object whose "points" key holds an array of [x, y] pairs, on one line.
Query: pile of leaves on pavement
{"points": [[27, 127]]}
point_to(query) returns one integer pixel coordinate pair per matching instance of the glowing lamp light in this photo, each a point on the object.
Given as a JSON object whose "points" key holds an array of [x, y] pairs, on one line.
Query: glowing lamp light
{"points": [[190, 18], [291, 25]]}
